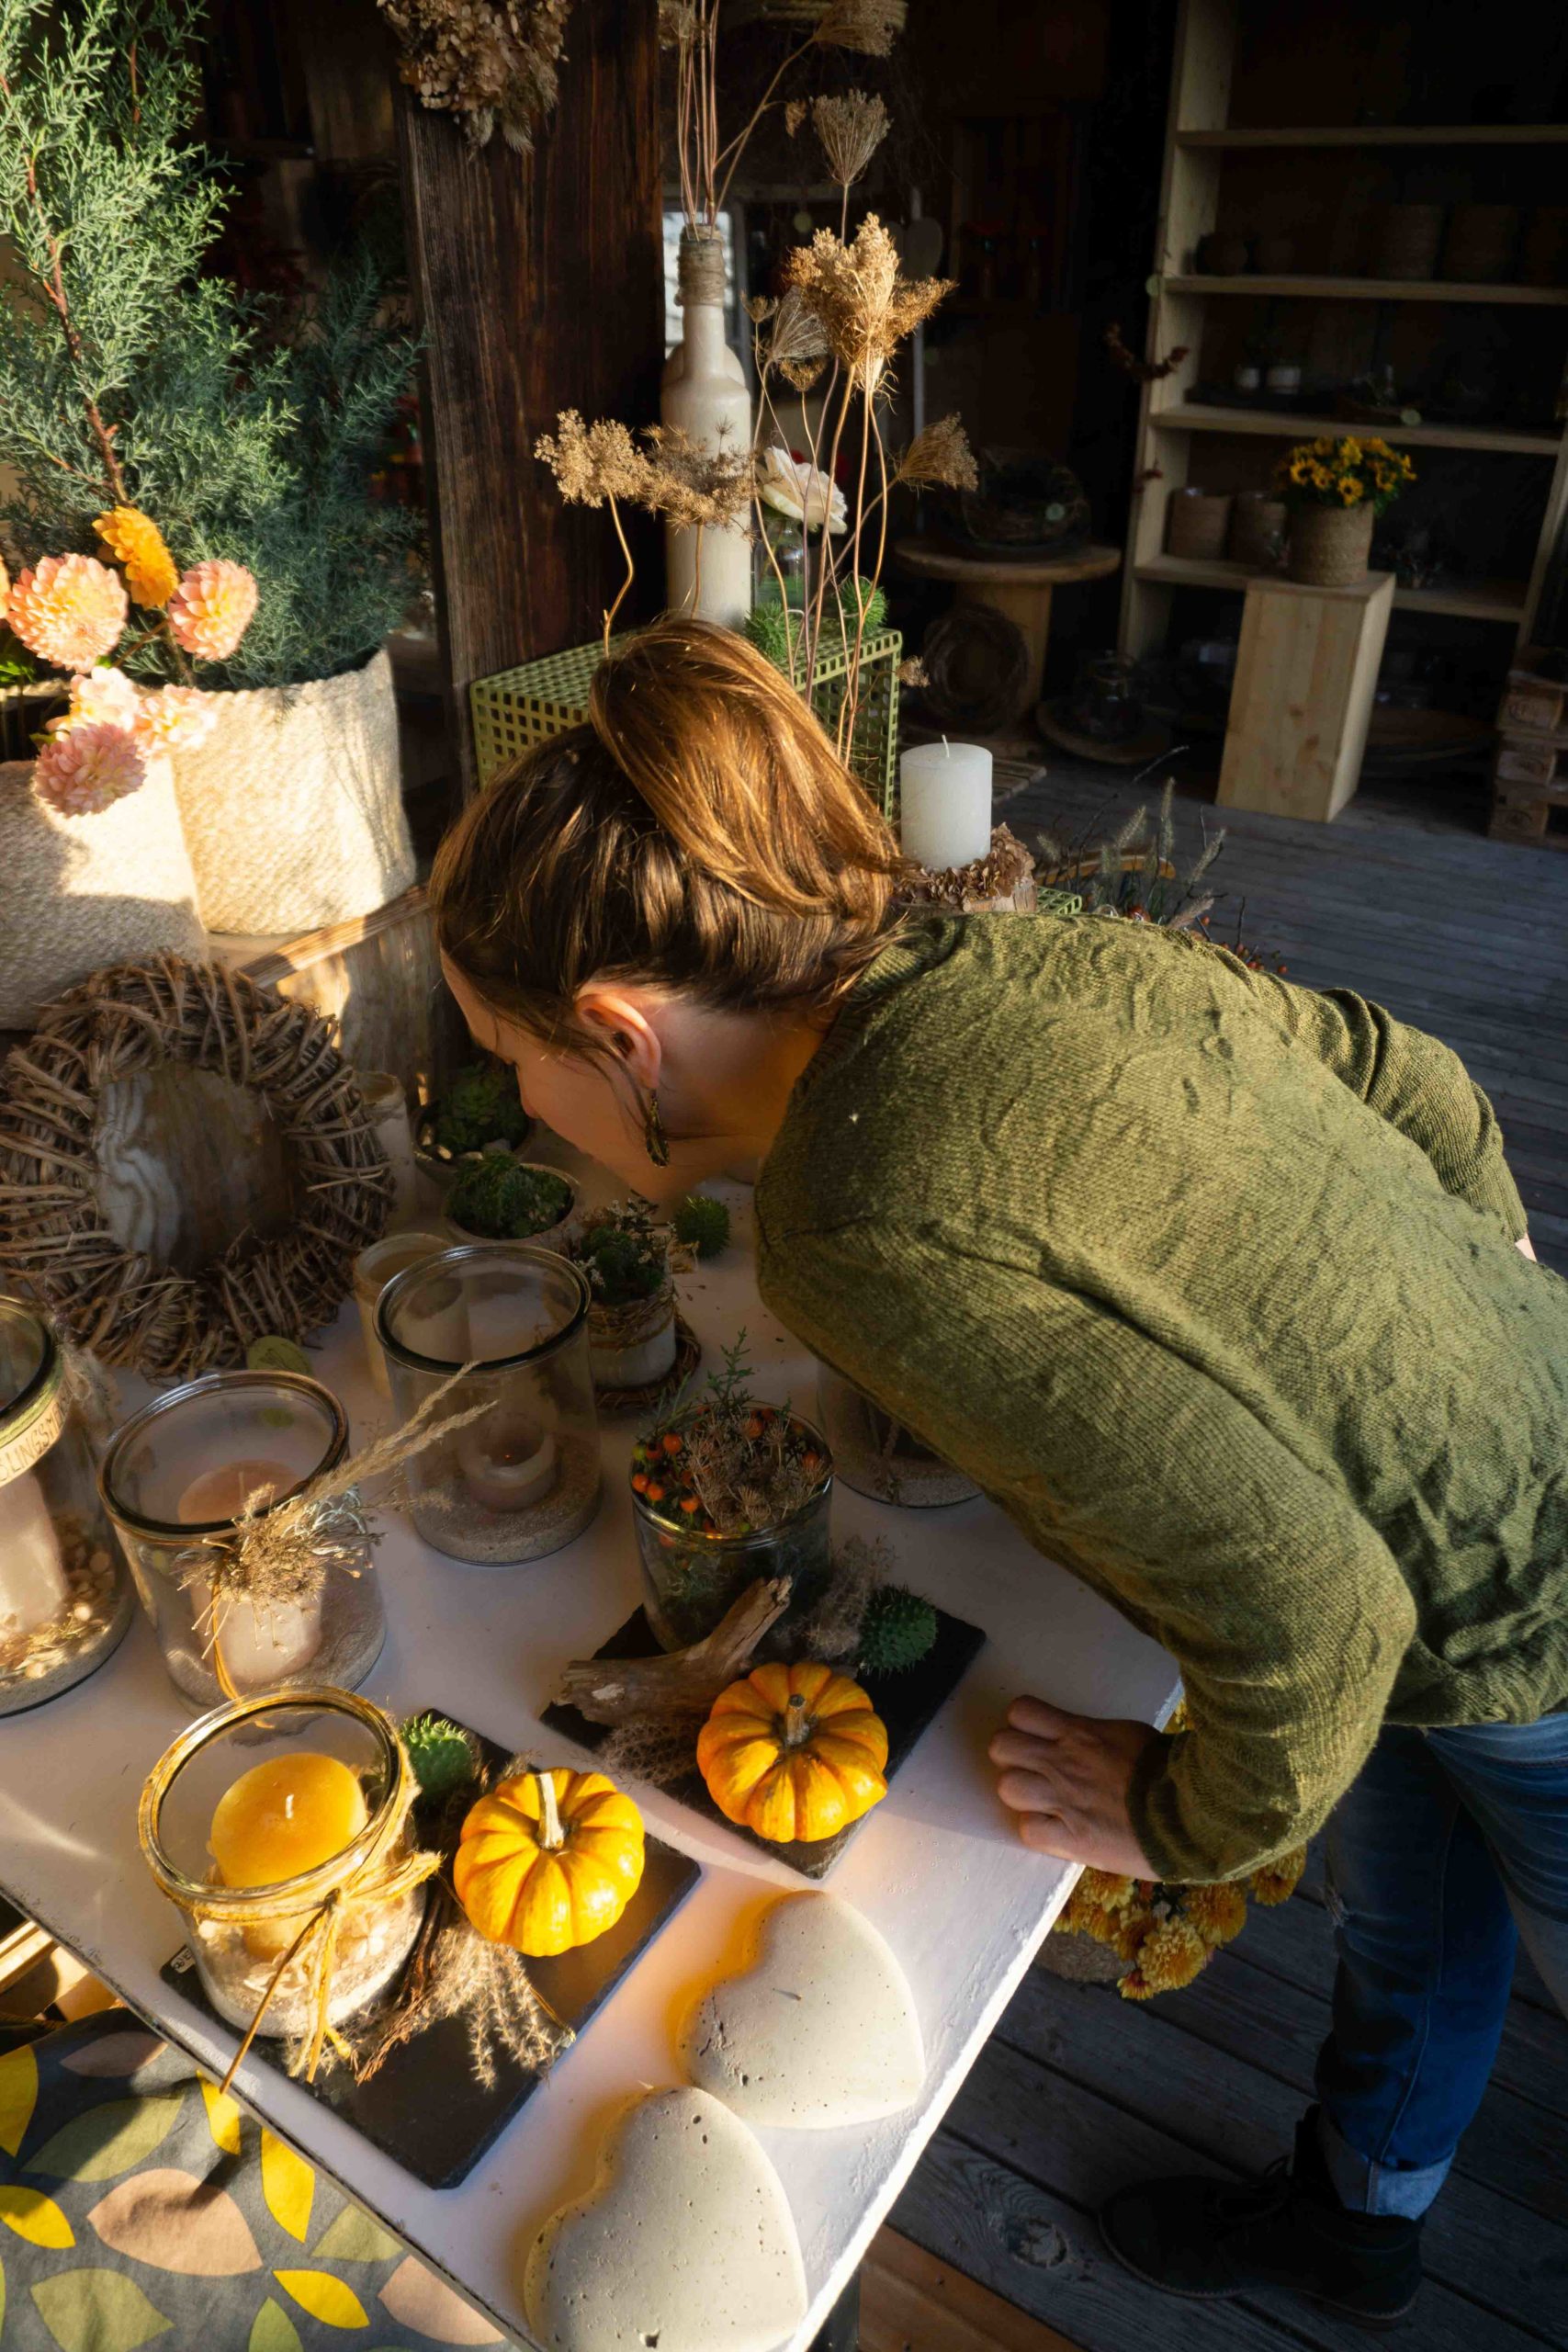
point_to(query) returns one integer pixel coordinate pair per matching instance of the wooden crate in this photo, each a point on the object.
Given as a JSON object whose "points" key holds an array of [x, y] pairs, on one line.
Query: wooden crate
{"points": [[1301, 699], [1533, 705], [1537, 760], [1532, 813]]}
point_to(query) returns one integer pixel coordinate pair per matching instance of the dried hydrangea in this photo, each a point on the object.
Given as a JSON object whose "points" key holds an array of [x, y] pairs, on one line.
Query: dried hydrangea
{"points": [[869, 26], [594, 462], [865, 306], [491, 63], [693, 485]]}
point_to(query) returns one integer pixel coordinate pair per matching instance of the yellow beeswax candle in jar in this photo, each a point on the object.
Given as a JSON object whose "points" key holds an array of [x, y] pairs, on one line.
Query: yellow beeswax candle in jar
{"points": [[280, 1819]]}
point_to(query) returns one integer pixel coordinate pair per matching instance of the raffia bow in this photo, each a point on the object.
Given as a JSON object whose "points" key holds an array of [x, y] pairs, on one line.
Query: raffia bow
{"points": [[280, 1554], [382, 1876]]}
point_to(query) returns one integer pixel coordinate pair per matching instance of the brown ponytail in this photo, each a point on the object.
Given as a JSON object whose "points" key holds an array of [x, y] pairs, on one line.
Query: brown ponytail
{"points": [[700, 831]]}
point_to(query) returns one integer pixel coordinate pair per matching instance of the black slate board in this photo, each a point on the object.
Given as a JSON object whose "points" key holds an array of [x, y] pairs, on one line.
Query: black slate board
{"points": [[423, 2109], [906, 1702]]}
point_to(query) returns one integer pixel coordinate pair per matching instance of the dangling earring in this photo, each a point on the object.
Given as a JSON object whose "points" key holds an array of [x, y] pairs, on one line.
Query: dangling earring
{"points": [[653, 1135]]}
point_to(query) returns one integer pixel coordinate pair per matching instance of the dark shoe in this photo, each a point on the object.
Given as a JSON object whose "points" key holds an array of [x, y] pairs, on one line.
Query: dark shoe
{"points": [[1214, 2239]]}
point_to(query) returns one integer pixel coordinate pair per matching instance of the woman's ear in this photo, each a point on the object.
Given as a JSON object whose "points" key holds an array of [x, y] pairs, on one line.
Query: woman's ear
{"points": [[621, 1021]]}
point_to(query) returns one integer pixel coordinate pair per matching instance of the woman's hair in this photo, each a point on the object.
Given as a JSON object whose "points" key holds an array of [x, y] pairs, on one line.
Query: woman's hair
{"points": [[700, 831]]}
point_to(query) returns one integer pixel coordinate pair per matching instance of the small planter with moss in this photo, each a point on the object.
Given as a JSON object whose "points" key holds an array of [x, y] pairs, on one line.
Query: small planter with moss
{"points": [[727, 1489], [498, 1198], [478, 1111], [878, 1457], [631, 1322]]}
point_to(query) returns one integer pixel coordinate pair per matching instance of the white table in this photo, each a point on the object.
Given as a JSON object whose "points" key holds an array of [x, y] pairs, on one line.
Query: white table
{"points": [[938, 1867]]}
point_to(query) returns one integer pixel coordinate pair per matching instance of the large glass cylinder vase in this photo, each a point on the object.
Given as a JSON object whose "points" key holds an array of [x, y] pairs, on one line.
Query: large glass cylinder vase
{"points": [[709, 571]]}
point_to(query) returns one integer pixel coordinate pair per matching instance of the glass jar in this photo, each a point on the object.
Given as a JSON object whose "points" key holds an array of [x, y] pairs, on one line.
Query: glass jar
{"points": [[65, 1598], [877, 1456], [690, 1578], [374, 1269], [521, 1480], [359, 1813], [176, 1479]]}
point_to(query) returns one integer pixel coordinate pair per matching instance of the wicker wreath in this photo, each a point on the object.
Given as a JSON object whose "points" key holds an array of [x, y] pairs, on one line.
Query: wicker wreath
{"points": [[976, 668], [53, 1238]]}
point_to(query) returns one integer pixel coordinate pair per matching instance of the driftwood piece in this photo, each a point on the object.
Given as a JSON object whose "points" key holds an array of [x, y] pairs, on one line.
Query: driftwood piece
{"points": [[611, 1690]]}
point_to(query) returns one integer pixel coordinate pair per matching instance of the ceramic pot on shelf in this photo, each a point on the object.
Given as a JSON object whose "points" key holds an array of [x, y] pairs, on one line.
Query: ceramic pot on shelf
{"points": [[705, 395], [1199, 520], [1329, 546]]}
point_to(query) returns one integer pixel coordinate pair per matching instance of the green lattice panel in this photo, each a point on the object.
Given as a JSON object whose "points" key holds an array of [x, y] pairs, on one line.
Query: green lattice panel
{"points": [[517, 708]]}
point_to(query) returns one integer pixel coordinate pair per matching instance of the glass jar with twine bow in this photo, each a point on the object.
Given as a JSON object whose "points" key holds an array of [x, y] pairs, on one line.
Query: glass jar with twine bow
{"points": [[294, 1956]]}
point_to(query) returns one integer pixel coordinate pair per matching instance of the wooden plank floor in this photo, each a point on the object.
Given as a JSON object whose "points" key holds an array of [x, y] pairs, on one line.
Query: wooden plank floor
{"points": [[1079, 2091]]}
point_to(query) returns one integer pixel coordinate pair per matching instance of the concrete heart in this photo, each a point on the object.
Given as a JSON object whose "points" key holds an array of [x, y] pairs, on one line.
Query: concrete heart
{"points": [[685, 2242], [821, 2030]]}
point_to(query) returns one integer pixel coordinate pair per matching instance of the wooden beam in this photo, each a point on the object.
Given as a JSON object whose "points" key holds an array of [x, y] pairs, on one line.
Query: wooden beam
{"points": [[910, 2301], [538, 281]]}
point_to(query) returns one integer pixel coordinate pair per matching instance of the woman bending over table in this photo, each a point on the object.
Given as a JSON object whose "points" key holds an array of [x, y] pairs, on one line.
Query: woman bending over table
{"points": [[1218, 1286]]}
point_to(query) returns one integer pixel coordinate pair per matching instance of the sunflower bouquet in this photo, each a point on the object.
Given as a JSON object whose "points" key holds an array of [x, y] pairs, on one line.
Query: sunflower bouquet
{"points": [[1343, 474]]}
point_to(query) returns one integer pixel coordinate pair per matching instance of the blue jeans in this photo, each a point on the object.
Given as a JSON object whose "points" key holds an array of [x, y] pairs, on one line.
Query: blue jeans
{"points": [[1450, 1846]]}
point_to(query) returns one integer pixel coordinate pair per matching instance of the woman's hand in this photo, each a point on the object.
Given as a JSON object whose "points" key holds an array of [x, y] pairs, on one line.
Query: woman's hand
{"points": [[1066, 1778]]}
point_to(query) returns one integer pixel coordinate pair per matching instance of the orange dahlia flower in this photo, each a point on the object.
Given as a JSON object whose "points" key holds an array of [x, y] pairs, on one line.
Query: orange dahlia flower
{"points": [[135, 540], [174, 718]]}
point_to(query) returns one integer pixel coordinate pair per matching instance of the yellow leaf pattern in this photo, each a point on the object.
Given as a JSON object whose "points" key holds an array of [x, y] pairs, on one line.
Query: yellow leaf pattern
{"points": [[35, 2217], [325, 2297], [19, 2096], [223, 2116], [111, 2138], [287, 2184], [97, 2311]]}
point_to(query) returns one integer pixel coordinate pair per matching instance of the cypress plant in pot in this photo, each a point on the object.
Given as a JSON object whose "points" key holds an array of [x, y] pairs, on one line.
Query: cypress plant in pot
{"points": [[128, 379]]}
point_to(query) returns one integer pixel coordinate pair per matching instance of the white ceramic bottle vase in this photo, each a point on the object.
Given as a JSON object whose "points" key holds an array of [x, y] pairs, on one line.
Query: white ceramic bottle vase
{"points": [[704, 393]]}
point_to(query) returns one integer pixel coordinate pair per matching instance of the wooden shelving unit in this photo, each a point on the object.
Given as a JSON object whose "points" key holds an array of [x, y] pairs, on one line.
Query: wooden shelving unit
{"points": [[1172, 426]]}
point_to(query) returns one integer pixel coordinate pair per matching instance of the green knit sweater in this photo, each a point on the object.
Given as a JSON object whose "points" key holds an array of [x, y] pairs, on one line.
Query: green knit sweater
{"points": [[1208, 1282]]}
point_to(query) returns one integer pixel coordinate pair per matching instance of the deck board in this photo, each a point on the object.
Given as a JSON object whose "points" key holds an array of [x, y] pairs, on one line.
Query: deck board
{"points": [[1078, 2091]]}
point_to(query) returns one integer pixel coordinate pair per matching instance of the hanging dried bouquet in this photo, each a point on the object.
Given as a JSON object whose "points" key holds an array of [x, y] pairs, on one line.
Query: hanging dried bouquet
{"points": [[491, 63]]}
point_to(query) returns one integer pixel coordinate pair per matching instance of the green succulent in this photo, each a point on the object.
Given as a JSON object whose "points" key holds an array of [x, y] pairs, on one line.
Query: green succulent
{"points": [[480, 1106], [623, 1256], [441, 1754], [899, 1628], [703, 1224], [500, 1200]]}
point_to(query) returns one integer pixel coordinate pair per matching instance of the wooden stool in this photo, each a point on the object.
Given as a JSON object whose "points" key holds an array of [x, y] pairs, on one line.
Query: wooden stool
{"points": [[1022, 591], [1303, 697]]}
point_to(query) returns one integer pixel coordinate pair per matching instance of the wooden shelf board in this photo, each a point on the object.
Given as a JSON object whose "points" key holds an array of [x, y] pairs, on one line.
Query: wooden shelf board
{"points": [[1193, 416], [1479, 600], [1370, 289], [1388, 134]]}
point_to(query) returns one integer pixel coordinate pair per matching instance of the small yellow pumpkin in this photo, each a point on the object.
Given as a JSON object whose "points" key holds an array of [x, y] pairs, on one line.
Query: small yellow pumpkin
{"points": [[793, 1752], [549, 1861]]}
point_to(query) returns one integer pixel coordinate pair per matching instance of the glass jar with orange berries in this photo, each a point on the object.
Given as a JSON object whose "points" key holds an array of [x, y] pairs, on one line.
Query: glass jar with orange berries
{"points": [[725, 1490]]}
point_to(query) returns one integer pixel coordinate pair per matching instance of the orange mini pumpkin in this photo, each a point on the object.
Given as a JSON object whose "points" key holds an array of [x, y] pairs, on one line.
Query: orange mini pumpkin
{"points": [[549, 1861], [793, 1752]]}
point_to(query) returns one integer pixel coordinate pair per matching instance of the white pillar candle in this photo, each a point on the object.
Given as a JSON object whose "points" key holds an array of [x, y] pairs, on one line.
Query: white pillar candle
{"points": [[508, 1465], [945, 796], [260, 1640], [32, 1576], [387, 1106]]}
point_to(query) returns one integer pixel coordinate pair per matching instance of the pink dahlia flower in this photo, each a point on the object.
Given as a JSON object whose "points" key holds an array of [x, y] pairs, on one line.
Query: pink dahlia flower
{"points": [[69, 609], [88, 768], [210, 610]]}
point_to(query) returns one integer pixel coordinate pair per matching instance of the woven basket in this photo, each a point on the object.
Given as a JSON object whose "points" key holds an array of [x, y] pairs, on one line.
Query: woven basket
{"points": [[1197, 521], [293, 806], [1329, 546], [1407, 240], [81, 892]]}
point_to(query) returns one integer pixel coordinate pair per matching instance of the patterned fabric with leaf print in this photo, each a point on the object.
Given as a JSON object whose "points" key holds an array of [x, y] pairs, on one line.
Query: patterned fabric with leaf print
{"points": [[138, 2207]]}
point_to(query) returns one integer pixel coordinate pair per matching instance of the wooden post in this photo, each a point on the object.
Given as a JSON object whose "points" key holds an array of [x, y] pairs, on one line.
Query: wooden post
{"points": [[539, 284], [1303, 697]]}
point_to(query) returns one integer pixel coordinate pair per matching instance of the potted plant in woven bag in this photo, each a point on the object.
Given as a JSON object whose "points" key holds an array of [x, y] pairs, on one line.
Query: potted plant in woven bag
{"points": [[1335, 491], [130, 381]]}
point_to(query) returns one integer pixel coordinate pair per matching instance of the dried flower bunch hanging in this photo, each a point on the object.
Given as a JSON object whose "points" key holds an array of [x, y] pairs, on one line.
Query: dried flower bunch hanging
{"points": [[491, 63]]}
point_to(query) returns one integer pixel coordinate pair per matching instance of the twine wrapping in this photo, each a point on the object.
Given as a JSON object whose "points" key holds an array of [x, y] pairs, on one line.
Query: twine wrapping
{"points": [[699, 269], [292, 807], [281, 1553], [380, 1876], [120, 1304], [639, 1319]]}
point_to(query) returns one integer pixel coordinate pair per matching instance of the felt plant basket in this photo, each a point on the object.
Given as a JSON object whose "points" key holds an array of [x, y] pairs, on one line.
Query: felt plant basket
{"points": [[293, 805], [1330, 545], [82, 892]]}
